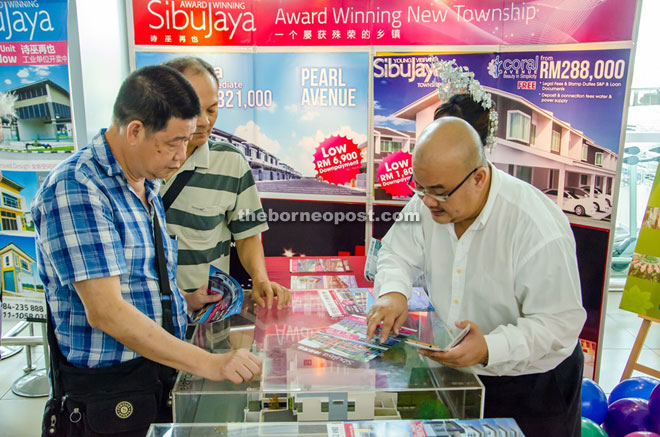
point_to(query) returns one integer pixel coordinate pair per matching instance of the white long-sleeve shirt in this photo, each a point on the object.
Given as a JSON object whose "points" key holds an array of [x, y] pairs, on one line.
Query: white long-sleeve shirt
{"points": [[513, 272]]}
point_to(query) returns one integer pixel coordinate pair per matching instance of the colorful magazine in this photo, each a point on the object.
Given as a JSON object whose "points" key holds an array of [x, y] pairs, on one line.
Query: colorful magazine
{"points": [[346, 342], [317, 282], [342, 302], [315, 265], [230, 304]]}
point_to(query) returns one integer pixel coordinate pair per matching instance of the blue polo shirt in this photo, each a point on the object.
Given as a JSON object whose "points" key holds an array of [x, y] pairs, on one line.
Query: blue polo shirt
{"points": [[90, 223]]}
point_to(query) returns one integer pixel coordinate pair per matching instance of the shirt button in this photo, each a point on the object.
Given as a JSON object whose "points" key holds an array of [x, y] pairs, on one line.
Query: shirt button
{"points": [[458, 271], [456, 301]]}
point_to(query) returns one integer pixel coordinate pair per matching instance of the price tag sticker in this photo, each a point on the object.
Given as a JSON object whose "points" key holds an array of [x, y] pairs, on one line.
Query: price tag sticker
{"points": [[21, 308]]}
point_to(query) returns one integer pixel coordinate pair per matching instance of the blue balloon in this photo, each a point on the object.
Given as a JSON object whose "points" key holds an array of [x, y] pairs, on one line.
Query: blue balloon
{"points": [[594, 401], [637, 387]]}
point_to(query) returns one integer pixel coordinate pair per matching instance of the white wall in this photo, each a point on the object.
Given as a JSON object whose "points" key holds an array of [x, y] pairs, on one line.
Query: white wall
{"points": [[98, 62]]}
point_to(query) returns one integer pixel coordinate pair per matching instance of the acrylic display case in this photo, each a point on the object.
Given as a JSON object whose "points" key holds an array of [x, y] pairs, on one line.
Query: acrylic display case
{"points": [[297, 386], [384, 428]]}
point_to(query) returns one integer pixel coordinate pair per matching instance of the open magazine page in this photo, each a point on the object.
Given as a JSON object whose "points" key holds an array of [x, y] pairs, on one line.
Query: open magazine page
{"points": [[345, 301], [345, 342], [230, 304], [315, 265], [318, 282]]}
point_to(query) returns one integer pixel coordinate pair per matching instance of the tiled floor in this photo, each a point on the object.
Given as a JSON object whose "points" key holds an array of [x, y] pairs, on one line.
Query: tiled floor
{"points": [[21, 417]]}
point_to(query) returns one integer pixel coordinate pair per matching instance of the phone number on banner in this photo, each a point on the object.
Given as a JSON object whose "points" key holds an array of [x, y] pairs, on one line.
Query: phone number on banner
{"points": [[17, 308], [582, 69]]}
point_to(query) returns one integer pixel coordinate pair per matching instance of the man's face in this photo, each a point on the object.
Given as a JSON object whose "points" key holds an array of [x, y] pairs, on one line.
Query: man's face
{"points": [[207, 91], [163, 152], [440, 180]]}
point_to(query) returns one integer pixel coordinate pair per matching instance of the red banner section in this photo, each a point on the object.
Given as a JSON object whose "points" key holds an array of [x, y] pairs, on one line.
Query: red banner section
{"points": [[33, 53], [337, 160], [391, 22], [394, 173]]}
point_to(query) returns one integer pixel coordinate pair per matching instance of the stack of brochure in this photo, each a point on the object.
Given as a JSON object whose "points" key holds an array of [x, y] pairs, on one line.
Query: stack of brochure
{"points": [[346, 342]]}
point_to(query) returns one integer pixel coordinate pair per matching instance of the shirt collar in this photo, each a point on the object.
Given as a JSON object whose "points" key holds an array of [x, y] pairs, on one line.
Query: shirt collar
{"points": [[103, 154], [199, 158], [106, 160], [495, 183]]}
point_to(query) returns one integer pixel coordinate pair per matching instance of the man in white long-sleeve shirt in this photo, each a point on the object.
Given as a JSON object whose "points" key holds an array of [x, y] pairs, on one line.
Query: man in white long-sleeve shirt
{"points": [[499, 255]]}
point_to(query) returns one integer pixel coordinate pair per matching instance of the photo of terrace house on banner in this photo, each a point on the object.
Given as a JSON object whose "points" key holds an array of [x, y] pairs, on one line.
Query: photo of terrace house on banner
{"points": [[537, 147]]}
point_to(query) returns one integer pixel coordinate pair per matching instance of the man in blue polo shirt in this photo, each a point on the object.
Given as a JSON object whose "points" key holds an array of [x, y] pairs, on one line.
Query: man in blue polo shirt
{"points": [[99, 222]]}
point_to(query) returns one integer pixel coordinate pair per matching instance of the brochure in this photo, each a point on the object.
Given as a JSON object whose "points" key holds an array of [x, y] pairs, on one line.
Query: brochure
{"points": [[345, 301], [230, 304], [346, 342], [342, 302], [307, 265], [317, 282]]}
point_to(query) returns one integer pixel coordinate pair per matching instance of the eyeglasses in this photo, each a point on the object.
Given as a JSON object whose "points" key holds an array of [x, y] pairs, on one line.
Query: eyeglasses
{"points": [[437, 198]]}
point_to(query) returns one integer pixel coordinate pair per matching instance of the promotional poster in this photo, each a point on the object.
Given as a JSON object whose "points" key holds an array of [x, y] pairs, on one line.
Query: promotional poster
{"points": [[300, 119], [558, 120]]}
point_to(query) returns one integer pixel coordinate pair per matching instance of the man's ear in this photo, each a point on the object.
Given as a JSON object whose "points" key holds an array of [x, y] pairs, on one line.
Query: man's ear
{"points": [[481, 176], [135, 132]]}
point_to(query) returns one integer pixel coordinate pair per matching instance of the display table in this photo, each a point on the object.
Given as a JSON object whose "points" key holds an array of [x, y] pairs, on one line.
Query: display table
{"points": [[385, 428], [298, 386]]}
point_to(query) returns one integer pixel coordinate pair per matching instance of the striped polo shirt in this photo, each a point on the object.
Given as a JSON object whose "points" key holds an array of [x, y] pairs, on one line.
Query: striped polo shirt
{"points": [[211, 209]]}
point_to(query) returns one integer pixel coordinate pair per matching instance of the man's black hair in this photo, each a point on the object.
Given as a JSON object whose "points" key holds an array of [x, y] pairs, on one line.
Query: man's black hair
{"points": [[153, 95]]}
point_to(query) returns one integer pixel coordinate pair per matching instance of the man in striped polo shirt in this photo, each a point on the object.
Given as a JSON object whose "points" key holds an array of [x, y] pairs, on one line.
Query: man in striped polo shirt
{"points": [[214, 203]]}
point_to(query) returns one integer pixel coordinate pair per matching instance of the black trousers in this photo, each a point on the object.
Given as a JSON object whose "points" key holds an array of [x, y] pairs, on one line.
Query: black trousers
{"points": [[543, 404]]}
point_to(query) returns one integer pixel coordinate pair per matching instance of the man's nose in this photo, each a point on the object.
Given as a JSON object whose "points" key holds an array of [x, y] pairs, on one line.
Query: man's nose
{"points": [[430, 201], [181, 151]]}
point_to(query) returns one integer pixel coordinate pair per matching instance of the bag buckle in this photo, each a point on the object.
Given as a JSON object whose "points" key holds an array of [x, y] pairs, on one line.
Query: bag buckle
{"points": [[53, 420], [75, 415]]}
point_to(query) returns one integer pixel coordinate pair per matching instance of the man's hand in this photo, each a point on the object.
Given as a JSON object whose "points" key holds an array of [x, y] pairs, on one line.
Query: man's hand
{"points": [[238, 366], [199, 298], [471, 351], [267, 290], [392, 310]]}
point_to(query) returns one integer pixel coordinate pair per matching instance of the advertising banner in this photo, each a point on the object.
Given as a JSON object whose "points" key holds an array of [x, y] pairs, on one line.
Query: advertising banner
{"points": [[36, 135], [641, 294], [559, 120], [299, 118], [377, 22]]}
